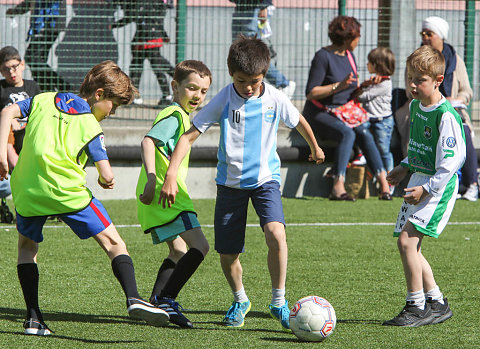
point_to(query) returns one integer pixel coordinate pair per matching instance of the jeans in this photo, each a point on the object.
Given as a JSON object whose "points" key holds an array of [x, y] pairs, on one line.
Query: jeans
{"points": [[244, 22], [469, 169], [5, 188], [275, 77], [327, 126], [382, 133], [367, 143]]}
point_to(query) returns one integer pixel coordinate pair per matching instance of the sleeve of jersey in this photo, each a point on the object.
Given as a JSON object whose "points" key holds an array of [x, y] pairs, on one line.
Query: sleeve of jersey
{"points": [[211, 113], [25, 106], [289, 114], [451, 153], [163, 130], [96, 149]]}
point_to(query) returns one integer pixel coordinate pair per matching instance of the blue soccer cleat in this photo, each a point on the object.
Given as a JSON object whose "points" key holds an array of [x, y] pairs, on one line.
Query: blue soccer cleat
{"points": [[236, 314], [281, 313]]}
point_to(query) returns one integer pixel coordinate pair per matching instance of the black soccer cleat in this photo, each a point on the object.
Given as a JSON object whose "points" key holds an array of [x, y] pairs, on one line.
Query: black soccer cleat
{"points": [[412, 316], [36, 327], [142, 310], [171, 307], [441, 312]]}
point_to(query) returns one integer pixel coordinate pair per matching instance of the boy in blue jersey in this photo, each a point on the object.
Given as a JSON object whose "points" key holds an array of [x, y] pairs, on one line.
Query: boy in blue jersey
{"points": [[62, 133], [248, 111], [177, 225], [436, 151]]}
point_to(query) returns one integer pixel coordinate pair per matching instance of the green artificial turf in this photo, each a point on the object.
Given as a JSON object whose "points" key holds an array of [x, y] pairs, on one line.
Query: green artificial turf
{"points": [[354, 266]]}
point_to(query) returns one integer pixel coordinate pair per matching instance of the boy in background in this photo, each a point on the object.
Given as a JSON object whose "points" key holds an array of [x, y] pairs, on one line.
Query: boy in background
{"points": [[62, 133], [248, 112], [14, 89], [176, 225], [436, 151]]}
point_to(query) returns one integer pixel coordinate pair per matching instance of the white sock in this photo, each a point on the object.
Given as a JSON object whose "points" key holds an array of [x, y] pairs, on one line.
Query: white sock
{"points": [[278, 297], [240, 295], [417, 299], [434, 294]]}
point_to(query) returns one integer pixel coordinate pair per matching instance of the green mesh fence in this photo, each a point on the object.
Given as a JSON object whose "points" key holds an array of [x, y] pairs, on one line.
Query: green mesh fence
{"points": [[62, 40]]}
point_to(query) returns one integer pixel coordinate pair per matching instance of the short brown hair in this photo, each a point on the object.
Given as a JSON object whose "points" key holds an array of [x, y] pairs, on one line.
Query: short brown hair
{"points": [[383, 60], [9, 52], [427, 61], [248, 55], [108, 76], [343, 28], [185, 68]]}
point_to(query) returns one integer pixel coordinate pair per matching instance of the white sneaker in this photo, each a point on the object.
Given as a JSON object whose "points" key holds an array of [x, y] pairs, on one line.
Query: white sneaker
{"points": [[289, 90], [359, 160], [472, 193]]}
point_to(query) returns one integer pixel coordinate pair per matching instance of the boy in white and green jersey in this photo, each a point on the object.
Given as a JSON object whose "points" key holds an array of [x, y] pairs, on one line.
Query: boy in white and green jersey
{"points": [[177, 224], [436, 151]]}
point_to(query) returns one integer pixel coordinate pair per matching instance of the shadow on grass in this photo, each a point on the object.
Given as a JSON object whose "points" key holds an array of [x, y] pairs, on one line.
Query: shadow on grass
{"points": [[360, 322], [18, 315], [255, 314], [83, 340]]}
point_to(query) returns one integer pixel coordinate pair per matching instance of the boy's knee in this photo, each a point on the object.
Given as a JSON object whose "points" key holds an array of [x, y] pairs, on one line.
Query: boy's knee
{"points": [[275, 234]]}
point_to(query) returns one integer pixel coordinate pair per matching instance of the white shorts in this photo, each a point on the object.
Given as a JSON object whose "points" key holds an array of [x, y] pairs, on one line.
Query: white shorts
{"points": [[431, 215]]}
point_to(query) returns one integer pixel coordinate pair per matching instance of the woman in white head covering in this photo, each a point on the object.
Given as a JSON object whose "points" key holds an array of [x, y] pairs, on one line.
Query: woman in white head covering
{"points": [[456, 88]]}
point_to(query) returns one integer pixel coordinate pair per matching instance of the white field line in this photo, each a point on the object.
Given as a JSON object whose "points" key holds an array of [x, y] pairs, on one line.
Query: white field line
{"points": [[338, 224]]}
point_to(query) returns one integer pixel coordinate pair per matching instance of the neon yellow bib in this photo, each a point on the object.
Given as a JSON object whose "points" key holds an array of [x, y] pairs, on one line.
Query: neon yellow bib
{"points": [[49, 177], [153, 215]]}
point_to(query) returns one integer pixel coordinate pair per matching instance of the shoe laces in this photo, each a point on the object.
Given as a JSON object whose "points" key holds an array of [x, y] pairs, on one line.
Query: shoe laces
{"points": [[232, 312]]}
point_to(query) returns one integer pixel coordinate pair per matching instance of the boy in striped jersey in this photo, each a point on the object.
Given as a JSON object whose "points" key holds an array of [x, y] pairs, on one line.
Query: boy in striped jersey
{"points": [[436, 151], [248, 111]]}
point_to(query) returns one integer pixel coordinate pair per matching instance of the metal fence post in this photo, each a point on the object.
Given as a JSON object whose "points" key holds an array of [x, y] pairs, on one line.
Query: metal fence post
{"points": [[469, 37], [181, 31], [342, 4]]}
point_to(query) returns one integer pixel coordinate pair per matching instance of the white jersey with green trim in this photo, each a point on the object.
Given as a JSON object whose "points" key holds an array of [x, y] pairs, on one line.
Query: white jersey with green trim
{"points": [[437, 143]]}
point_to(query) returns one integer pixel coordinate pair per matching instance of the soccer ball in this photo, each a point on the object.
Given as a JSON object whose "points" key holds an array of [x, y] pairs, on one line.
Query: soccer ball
{"points": [[312, 319]]}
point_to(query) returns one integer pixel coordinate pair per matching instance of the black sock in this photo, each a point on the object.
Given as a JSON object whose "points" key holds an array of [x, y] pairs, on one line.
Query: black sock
{"points": [[122, 266], [29, 276], [185, 268], [164, 273]]}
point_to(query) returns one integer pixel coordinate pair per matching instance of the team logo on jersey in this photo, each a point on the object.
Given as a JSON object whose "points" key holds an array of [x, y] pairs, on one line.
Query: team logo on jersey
{"points": [[102, 142], [451, 142], [269, 115], [448, 153], [427, 132]]}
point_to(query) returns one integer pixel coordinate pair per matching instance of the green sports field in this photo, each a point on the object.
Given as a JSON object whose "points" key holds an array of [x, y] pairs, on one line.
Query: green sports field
{"points": [[341, 251]]}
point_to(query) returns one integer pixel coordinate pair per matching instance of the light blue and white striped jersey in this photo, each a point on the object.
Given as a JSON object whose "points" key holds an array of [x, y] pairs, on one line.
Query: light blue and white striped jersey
{"points": [[247, 151]]}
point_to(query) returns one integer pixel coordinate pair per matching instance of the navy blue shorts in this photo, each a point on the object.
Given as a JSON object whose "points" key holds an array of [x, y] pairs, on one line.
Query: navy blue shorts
{"points": [[86, 223], [231, 213]]}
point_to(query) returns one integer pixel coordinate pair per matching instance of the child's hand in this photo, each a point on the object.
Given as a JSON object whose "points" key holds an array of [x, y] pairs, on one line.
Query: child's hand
{"points": [[16, 125], [148, 192], [318, 156], [3, 170], [395, 176], [168, 192], [415, 195], [375, 79], [105, 185]]}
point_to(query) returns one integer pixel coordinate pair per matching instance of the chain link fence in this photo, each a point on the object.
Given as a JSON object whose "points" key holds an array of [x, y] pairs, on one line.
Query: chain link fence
{"points": [[62, 40]]}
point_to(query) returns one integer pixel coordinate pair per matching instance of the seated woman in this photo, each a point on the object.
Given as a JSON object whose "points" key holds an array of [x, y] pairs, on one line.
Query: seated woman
{"points": [[331, 81]]}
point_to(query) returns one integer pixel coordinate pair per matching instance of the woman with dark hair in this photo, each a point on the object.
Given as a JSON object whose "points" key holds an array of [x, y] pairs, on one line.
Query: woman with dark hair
{"points": [[331, 82]]}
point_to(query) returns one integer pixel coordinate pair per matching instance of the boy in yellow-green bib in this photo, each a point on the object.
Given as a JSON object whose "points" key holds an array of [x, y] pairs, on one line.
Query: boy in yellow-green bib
{"points": [[177, 224], [62, 134]]}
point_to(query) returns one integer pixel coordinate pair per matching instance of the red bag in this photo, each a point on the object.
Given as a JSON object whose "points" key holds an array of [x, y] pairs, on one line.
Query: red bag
{"points": [[351, 113]]}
